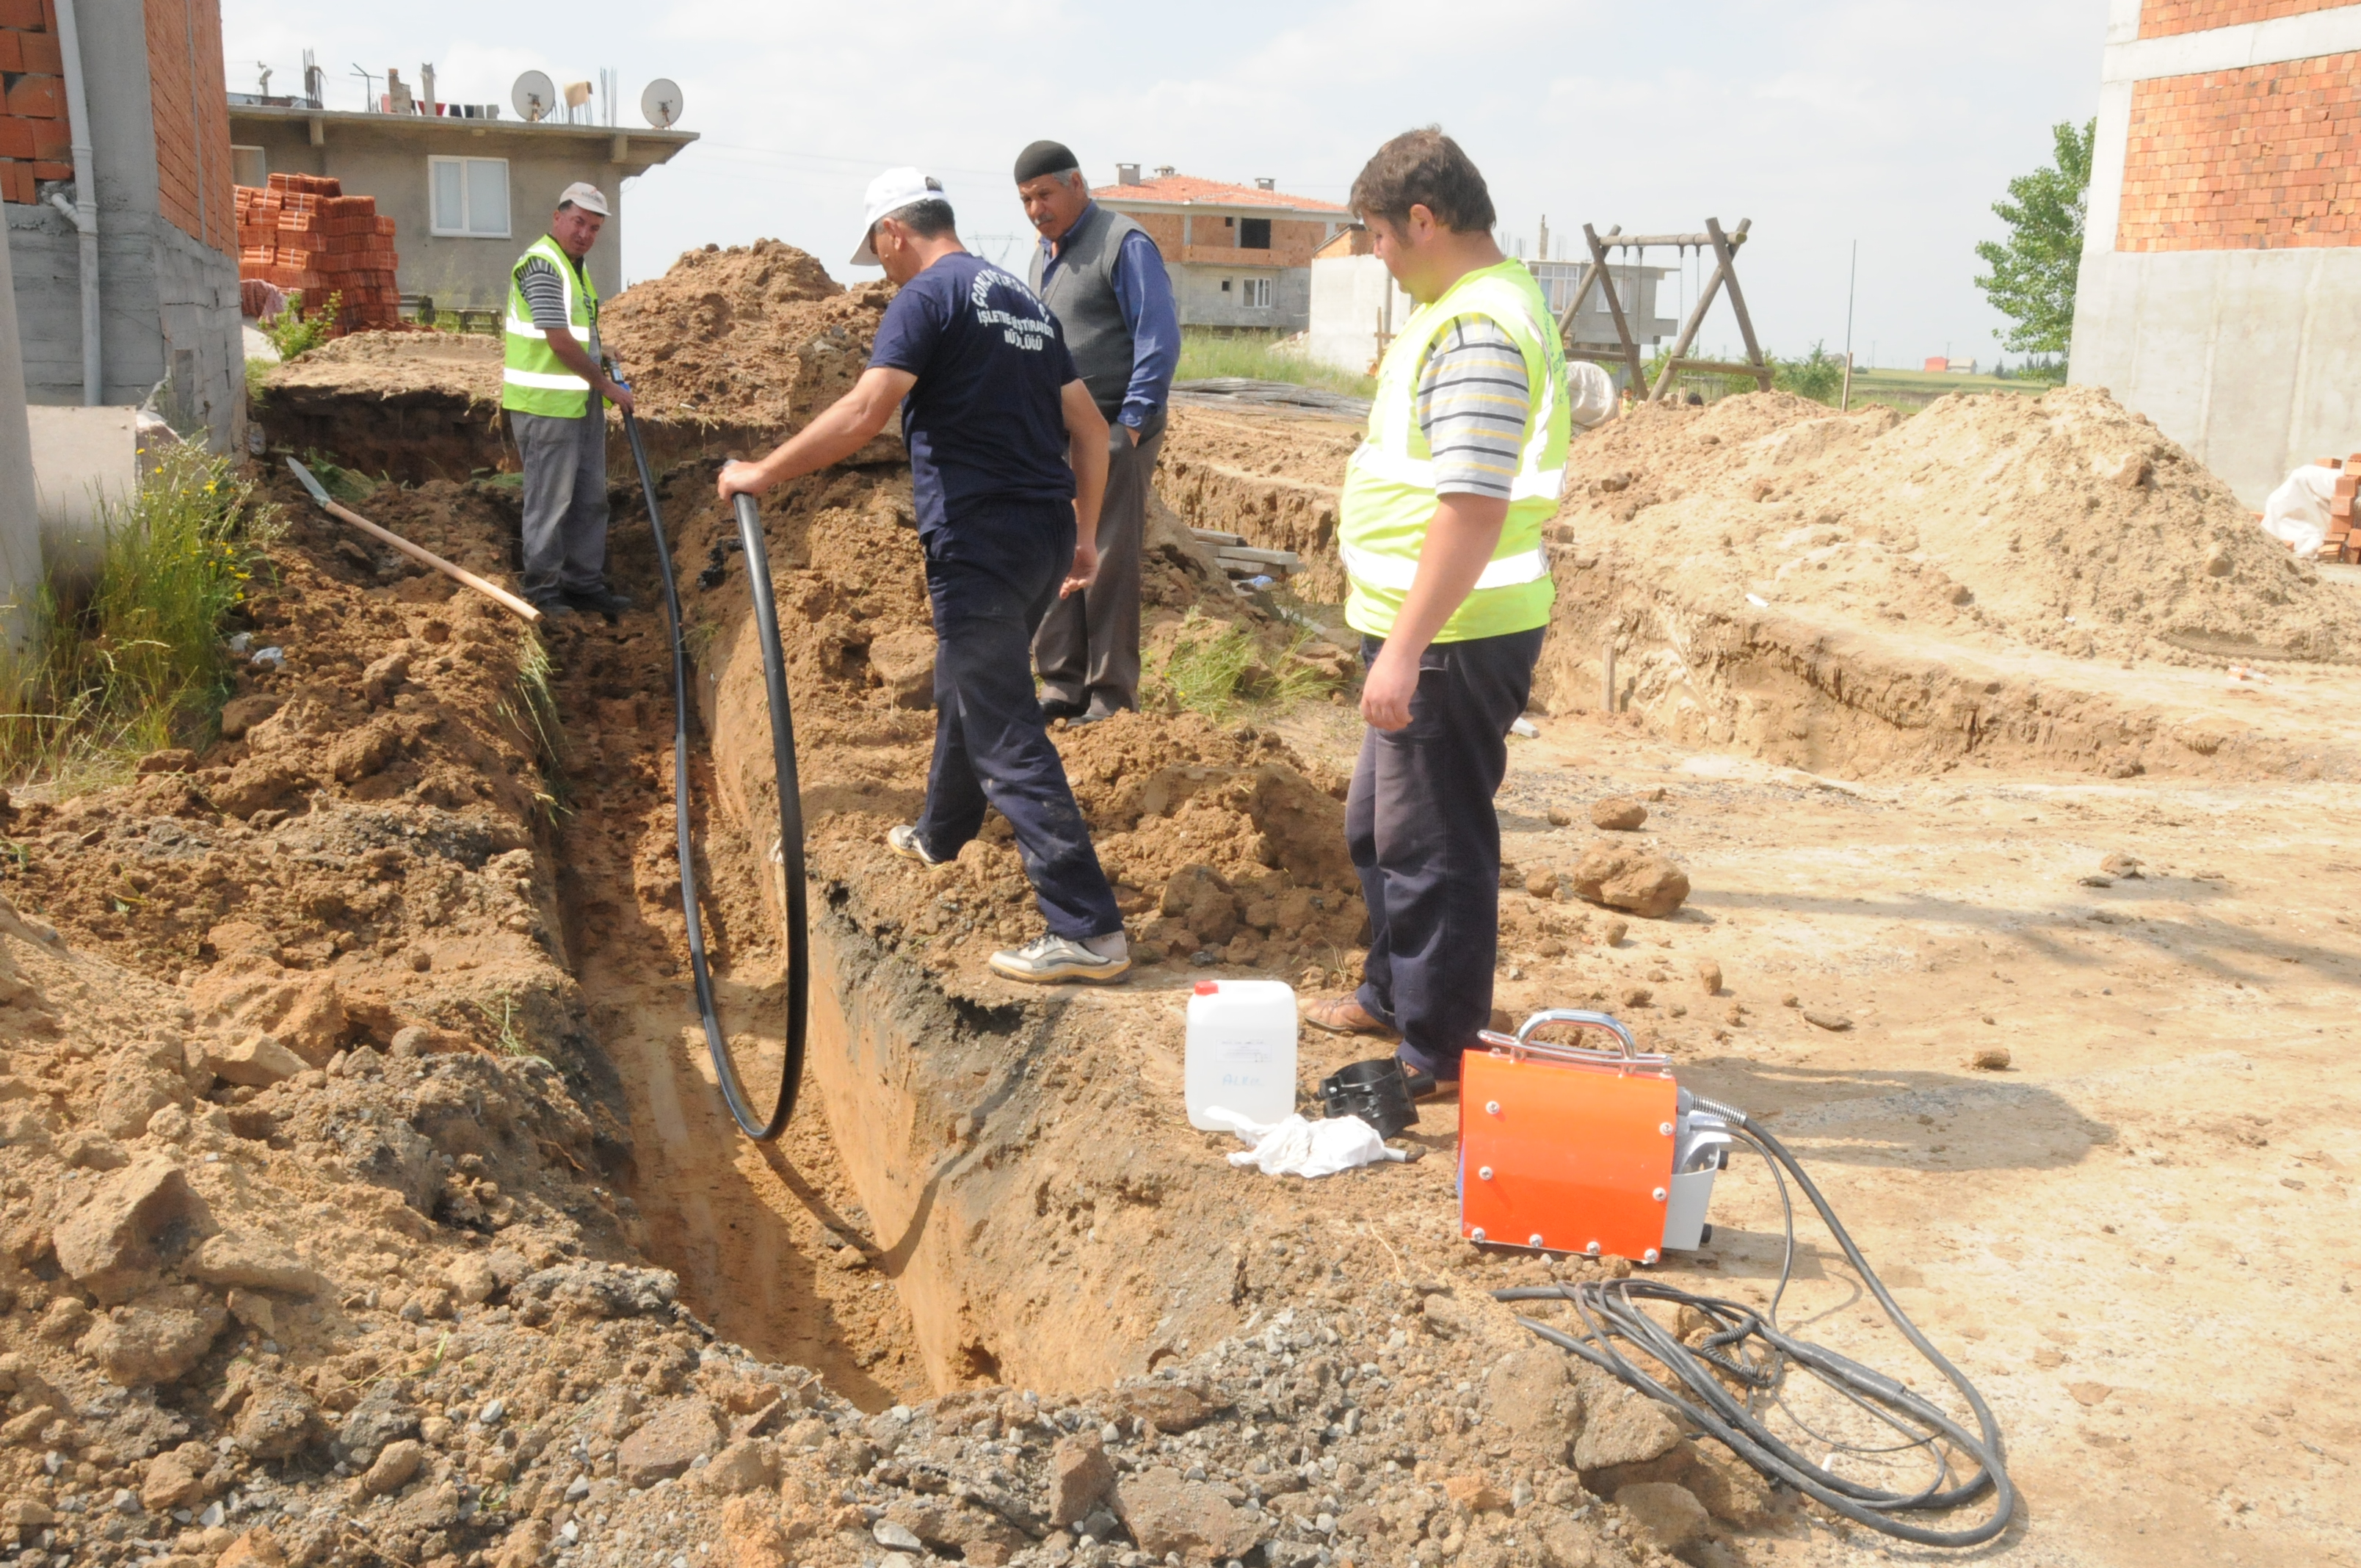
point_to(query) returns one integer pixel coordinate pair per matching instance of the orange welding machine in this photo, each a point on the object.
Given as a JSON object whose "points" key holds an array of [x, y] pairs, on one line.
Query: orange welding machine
{"points": [[1575, 1148]]}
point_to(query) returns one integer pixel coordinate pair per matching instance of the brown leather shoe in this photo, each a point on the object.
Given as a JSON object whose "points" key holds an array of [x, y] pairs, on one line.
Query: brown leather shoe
{"points": [[1344, 1015]]}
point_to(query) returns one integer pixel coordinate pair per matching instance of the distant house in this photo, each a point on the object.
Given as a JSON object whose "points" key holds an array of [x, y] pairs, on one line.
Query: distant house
{"points": [[1240, 256], [1356, 307], [1938, 365], [466, 194]]}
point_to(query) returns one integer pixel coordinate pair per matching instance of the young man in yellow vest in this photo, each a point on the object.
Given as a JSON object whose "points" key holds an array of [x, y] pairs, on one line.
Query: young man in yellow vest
{"points": [[1440, 528], [551, 385]]}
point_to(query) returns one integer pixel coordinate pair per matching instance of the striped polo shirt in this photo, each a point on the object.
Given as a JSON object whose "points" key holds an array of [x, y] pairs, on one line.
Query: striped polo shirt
{"points": [[1472, 407]]}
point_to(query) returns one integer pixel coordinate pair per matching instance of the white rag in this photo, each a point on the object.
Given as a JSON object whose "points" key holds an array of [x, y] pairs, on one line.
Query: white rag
{"points": [[2298, 510], [1309, 1149]]}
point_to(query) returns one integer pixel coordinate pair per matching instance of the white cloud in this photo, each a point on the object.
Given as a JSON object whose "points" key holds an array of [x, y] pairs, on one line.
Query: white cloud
{"points": [[1823, 120]]}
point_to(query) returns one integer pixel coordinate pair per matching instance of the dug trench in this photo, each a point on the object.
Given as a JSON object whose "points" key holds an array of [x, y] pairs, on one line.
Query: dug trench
{"points": [[386, 990]]}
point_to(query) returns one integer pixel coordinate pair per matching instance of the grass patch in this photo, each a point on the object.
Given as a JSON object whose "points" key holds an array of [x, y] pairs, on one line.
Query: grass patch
{"points": [[535, 714], [1204, 355], [1219, 669], [139, 665]]}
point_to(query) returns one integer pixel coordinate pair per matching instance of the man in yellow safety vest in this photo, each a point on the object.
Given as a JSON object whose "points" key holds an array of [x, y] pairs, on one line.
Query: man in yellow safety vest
{"points": [[551, 385], [1440, 528]]}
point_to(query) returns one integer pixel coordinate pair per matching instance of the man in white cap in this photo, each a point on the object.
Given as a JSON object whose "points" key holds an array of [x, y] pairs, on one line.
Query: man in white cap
{"points": [[1008, 463], [552, 386]]}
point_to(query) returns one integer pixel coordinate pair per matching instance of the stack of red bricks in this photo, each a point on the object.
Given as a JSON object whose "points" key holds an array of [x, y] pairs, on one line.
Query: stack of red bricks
{"points": [[303, 234], [2343, 543], [36, 143]]}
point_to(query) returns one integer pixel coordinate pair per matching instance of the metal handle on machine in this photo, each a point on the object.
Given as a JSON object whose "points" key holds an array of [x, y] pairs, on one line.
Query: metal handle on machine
{"points": [[1630, 1055]]}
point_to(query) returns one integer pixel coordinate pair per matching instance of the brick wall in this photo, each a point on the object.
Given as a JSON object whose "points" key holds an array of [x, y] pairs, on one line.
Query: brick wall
{"points": [[36, 143], [2163, 18], [191, 110], [2265, 158], [1164, 228]]}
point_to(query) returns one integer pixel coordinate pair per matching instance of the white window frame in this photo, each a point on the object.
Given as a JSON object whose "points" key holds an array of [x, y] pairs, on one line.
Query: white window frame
{"points": [[1257, 294], [466, 198]]}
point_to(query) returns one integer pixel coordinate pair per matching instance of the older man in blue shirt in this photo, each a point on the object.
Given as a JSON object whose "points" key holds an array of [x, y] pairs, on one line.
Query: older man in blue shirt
{"points": [[1103, 279]]}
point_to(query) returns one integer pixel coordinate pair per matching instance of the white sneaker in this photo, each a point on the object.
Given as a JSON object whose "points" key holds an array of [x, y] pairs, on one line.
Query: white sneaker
{"points": [[1047, 960], [904, 842]]}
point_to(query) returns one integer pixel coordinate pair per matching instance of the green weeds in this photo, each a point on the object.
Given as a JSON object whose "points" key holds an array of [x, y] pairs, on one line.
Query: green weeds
{"points": [[294, 333], [1218, 668], [139, 664]]}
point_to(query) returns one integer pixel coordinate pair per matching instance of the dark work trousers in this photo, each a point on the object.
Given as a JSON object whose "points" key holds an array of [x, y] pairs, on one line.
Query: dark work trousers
{"points": [[1419, 825], [1088, 646], [565, 465], [990, 589]]}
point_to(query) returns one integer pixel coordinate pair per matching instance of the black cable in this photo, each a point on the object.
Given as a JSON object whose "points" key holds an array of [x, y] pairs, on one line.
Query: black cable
{"points": [[791, 821], [1750, 1349]]}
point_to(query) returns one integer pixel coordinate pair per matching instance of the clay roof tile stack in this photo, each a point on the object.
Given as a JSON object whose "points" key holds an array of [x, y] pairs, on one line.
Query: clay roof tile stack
{"points": [[301, 232]]}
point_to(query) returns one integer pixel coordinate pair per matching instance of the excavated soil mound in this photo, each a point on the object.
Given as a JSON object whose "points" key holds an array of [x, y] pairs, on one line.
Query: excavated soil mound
{"points": [[2063, 523], [756, 337], [1221, 837]]}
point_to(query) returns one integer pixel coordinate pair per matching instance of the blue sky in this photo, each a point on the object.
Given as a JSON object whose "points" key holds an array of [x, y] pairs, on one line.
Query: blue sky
{"points": [[1897, 124]]}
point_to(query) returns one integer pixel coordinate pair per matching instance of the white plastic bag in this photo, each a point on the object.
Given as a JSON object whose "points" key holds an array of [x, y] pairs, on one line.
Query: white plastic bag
{"points": [[2298, 510], [1590, 394], [1309, 1149]]}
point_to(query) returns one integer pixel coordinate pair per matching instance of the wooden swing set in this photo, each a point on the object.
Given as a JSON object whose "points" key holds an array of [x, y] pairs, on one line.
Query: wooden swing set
{"points": [[1626, 350]]}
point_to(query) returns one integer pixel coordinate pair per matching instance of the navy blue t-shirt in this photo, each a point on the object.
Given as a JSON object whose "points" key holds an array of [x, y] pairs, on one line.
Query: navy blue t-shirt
{"points": [[983, 425]]}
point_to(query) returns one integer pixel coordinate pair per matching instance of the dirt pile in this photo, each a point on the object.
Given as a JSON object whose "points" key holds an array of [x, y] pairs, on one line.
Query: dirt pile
{"points": [[755, 336], [2063, 523], [1255, 840]]}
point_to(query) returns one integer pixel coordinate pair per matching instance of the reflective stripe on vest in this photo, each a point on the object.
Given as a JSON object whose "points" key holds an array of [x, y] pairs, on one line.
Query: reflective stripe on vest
{"points": [[1394, 572], [1390, 497], [565, 381], [1420, 471], [533, 380]]}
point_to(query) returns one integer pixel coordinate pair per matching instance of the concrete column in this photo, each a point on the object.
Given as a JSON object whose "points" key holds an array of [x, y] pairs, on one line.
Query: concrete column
{"points": [[20, 530]]}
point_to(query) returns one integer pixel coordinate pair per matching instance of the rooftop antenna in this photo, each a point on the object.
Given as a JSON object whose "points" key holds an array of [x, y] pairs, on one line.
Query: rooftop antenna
{"points": [[369, 87], [264, 67], [315, 82], [534, 96], [661, 104]]}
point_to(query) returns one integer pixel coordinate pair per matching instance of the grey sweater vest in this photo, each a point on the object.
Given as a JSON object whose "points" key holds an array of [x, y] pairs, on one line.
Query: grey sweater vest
{"points": [[1082, 296]]}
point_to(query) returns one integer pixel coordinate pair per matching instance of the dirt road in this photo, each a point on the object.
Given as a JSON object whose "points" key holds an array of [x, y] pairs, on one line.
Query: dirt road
{"points": [[2137, 1239]]}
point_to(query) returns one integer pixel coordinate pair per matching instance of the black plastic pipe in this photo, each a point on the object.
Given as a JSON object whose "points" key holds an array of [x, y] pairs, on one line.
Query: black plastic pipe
{"points": [[791, 821]]}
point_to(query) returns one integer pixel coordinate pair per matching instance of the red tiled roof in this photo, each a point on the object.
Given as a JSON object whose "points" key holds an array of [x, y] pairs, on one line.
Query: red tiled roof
{"points": [[1177, 189]]}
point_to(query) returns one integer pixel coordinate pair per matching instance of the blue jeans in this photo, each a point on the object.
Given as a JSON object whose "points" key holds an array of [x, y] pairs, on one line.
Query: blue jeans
{"points": [[990, 584], [1424, 836]]}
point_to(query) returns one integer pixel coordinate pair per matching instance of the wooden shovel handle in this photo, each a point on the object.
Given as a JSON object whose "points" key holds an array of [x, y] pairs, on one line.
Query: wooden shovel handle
{"points": [[426, 557]]}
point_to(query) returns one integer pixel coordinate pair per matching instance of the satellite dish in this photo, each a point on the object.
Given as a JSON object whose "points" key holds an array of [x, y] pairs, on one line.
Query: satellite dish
{"points": [[661, 104], [534, 96]]}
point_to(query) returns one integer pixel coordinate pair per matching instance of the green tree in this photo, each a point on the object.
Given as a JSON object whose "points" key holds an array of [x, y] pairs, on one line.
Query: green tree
{"points": [[2032, 277]]}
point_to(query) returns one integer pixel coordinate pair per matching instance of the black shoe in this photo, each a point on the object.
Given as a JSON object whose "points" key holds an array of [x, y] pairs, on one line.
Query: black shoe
{"points": [[1424, 1085], [601, 600], [1056, 707], [550, 606]]}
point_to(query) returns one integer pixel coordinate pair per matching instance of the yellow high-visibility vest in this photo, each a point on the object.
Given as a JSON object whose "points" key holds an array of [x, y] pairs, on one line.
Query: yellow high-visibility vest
{"points": [[533, 380], [1390, 497]]}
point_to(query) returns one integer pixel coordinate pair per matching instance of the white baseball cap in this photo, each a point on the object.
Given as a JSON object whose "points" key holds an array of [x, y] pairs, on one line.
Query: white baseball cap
{"points": [[584, 196], [887, 194]]}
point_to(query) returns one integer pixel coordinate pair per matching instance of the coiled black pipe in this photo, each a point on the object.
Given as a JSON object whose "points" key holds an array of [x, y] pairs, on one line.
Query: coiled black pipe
{"points": [[791, 812], [1609, 1310]]}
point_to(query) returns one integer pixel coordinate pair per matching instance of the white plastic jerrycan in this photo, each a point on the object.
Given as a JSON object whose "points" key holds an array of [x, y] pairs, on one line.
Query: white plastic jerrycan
{"points": [[1241, 1051]]}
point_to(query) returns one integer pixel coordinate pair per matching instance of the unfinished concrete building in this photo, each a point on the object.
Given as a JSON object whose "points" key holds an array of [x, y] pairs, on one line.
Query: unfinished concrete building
{"points": [[2219, 275], [1240, 255], [120, 226]]}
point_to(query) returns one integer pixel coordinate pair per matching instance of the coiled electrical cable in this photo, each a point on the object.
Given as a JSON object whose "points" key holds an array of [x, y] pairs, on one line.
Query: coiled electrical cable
{"points": [[1749, 1348], [790, 851]]}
